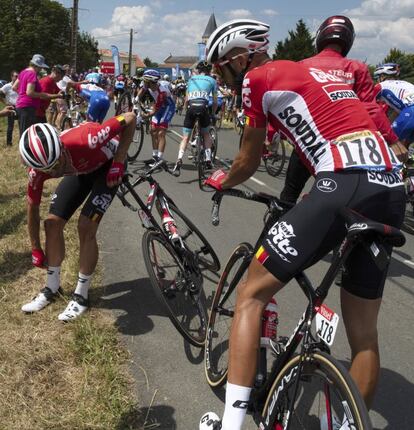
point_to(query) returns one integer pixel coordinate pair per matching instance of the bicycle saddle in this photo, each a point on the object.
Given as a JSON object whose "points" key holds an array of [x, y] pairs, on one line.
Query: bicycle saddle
{"points": [[358, 223]]}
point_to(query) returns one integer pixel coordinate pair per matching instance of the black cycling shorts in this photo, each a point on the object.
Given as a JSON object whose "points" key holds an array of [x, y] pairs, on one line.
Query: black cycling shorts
{"points": [[197, 108], [73, 190], [312, 228]]}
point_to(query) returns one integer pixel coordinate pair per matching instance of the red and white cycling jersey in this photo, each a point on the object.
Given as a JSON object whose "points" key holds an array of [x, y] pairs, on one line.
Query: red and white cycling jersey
{"points": [[353, 72], [357, 75], [320, 114], [88, 146], [162, 95]]}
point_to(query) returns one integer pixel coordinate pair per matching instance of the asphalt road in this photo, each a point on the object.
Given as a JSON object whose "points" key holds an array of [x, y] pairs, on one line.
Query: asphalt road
{"points": [[169, 374]]}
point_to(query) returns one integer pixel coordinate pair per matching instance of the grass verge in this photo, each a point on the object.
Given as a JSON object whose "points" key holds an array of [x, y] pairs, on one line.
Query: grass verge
{"points": [[52, 375]]}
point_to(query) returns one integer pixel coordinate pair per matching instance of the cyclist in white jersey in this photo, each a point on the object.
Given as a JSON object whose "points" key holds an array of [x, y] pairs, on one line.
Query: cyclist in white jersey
{"points": [[399, 96]]}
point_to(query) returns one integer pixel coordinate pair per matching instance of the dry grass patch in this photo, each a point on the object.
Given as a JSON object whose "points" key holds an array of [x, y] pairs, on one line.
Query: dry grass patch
{"points": [[52, 375]]}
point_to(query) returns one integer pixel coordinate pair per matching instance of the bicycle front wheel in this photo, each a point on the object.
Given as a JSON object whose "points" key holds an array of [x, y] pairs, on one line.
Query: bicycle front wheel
{"points": [[171, 284], [275, 159], [221, 316], [124, 103], [327, 397], [136, 144], [195, 240]]}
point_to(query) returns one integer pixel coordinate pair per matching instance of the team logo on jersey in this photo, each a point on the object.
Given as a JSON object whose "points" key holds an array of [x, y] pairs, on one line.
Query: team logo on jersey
{"points": [[388, 179], [326, 185], [282, 233], [102, 201], [338, 92], [100, 137]]}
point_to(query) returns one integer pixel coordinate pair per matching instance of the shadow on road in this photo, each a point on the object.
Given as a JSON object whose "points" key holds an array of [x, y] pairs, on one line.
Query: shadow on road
{"points": [[391, 401], [134, 303], [158, 417]]}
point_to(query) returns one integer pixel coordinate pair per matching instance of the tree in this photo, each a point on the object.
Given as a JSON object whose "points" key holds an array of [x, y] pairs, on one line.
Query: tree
{"points": [[88, 54], [39, 27], [297, 46], [149, 63], [406, 62]]}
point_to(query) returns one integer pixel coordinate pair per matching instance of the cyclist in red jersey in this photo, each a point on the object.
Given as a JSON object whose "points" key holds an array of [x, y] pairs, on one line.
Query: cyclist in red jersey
{"points": [[338, 141], [91, 158], [334, 39]]}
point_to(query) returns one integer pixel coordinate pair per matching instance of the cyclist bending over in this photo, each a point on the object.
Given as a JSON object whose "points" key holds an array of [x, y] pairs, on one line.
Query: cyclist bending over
{"points": [[294, 100], [92, 163], [199, 87]]}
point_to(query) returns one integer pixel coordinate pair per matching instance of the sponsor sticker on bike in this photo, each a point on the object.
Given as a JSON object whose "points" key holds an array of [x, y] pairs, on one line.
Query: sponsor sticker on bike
{"points": [[326, 324]]}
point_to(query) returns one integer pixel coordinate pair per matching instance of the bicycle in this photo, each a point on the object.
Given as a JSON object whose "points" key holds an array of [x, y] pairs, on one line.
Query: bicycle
{"points": [[175, 253], [198, 152], [75, 114], [128, 103], [306, 387], [273, 155]]}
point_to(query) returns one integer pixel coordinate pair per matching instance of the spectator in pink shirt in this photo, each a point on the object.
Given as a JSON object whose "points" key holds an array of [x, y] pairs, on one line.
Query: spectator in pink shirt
{"points": [[29, 92]]}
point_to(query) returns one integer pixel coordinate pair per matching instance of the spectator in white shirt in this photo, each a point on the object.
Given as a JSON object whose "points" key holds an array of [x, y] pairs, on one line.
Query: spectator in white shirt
{"points": [[10, 97]]}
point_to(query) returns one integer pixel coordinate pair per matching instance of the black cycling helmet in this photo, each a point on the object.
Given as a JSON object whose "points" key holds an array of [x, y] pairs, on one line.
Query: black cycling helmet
{"points": [[203, 66], [335, 29]]}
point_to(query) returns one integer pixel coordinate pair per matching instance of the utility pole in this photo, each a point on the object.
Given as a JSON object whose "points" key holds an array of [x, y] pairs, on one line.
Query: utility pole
{"points": [[74, 34], [131, 32]]}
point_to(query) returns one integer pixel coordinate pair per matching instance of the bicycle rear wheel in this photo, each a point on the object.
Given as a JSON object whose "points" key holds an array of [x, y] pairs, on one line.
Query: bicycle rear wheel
{"points": [[137, 142], [171, 284], [326, 395], [202, 169], [124, 103], [195, 240], [275, 158], [221, 316], [214, 142]]}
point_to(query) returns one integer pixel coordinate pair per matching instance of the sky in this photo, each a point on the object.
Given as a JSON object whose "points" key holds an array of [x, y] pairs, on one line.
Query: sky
{"points": [[164, 27]]}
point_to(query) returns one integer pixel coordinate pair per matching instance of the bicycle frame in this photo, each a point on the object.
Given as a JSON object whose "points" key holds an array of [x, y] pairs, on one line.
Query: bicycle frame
{"points": [[303, 331]]}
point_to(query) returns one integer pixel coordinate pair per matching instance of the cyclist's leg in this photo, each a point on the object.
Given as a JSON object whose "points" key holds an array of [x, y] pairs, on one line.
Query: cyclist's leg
{"points": [[360, 319]]}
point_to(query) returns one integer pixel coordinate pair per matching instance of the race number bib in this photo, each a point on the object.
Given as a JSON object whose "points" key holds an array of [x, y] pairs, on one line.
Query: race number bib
{"points": [[363, 150], [326, 324], [198, 95]]}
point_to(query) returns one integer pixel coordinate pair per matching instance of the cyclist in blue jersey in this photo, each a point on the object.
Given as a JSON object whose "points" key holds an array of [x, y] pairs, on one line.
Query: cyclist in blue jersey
{"points": [[98, 100], [399, 96], [119, 87], [199, 87]]}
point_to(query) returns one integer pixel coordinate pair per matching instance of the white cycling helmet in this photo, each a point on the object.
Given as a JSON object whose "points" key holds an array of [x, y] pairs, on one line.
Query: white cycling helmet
{"points": [[40, 146], [238, 33], [166, 77], [151, 75], [390, 69]]}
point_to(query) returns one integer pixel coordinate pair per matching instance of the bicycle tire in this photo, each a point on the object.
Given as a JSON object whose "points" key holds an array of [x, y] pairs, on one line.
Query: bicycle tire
{"points": [[124, 103], [276, 159], [339, 394], [222, 308], [214, 142], [183, 308], [195, 240], [201, 167], [67, 123], [136, 144]]}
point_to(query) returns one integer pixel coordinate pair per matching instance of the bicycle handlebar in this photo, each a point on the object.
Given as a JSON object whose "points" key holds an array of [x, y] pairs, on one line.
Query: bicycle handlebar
{"points": [[272, 202]]}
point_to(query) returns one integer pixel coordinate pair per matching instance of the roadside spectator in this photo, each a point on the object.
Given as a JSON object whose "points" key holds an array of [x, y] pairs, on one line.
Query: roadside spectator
{"points": [[10, 96], [29, 92], [62, 104], [48, 85]]}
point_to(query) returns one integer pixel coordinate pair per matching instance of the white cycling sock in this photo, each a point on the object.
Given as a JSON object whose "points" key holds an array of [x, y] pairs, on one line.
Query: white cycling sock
{"points": [[155, 152], [180, 153], [84, 281], [208, 154], [53, 278], [237, 398], [160, 155]]}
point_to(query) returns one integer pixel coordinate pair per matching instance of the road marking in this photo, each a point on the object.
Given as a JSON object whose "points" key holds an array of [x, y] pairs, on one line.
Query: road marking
{"points": [[252, 178], [411, 263]]}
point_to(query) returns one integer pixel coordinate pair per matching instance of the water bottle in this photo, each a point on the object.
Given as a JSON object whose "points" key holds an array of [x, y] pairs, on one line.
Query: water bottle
{"points": [[169, 226], [270, 321]]}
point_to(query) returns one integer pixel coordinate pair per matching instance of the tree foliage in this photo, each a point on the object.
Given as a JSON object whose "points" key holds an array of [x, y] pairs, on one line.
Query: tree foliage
{"points": [[88, 54], [149, 63], [406, 62], [38, 27], [297, 46]]}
